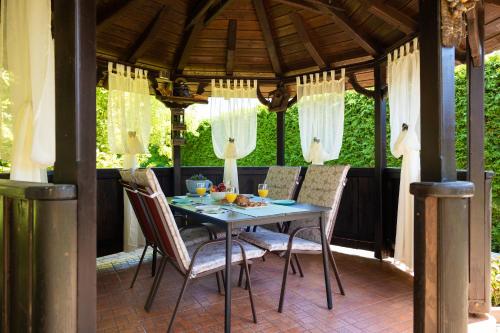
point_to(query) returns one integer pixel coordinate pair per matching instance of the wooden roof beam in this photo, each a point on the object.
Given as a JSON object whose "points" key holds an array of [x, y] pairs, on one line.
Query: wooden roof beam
{"points": [[473, 35], [107, 21], [268, 35], [199, 14], [148, 36], [231, 46], [493, 2], [213, 14], [300, 4], [356, 33], [307, 40], [192, 35], [391, 15], [188, 44]]}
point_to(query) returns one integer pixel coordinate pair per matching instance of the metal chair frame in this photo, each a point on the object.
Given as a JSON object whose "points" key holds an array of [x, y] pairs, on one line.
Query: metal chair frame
{"points": [[290, 252], [145, 194]]}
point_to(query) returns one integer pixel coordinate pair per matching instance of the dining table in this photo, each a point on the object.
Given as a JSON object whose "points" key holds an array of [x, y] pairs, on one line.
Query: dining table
{"points": [[232, 217]]}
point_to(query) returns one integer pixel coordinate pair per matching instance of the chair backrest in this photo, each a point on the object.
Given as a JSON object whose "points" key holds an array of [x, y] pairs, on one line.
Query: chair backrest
{"points": [[282, 181], [139, 209], [323, 186], [169, 238]]}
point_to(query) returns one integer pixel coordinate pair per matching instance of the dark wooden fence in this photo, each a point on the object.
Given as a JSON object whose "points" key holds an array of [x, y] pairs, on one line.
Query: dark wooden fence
{"points": [[356, 220], [355, 225]]}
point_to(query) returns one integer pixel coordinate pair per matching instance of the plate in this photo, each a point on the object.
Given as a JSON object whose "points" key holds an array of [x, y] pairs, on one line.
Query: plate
{"points": [[209, 209], [181, 201], [284, 202]]}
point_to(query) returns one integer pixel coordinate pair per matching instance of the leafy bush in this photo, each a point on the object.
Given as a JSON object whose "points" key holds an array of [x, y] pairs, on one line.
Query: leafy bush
{"points": [[358, 140], [495, 281]]}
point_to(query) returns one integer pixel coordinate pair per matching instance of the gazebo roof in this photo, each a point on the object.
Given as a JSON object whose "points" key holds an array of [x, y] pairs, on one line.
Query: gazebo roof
{"points": [[266, 39]]}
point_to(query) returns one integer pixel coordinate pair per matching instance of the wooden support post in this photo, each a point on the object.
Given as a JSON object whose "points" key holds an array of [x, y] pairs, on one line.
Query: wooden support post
{"points": [[437, 98], [380, 157], [74, 32], [178, 127], [441, 256], [441, 204], [280, 138], [480, 219]]}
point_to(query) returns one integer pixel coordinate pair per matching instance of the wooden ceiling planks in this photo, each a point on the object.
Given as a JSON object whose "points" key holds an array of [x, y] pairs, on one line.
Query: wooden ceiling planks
{"points": [[329, 38], [267, 31]]}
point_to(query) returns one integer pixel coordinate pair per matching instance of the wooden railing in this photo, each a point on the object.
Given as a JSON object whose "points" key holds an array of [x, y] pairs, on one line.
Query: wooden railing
{"points": [[38, 245]]}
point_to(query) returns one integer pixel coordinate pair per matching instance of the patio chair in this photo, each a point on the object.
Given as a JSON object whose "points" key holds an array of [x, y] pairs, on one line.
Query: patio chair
{"points": [[282, 182], [191, 262], [322, 186], [190, 234]]}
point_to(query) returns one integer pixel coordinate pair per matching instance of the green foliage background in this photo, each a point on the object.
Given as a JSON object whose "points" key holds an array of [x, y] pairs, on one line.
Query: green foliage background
{"points": [[358, 140]]}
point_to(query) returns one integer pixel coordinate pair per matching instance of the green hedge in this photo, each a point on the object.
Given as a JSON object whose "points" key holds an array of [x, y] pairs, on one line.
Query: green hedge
{"points": [[358, 141]]}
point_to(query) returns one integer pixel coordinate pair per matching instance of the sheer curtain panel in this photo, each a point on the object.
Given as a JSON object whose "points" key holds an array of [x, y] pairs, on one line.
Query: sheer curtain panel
{"points": [[28, 88], [233, 115], [129, 127], [403, 79], [321, 116]]}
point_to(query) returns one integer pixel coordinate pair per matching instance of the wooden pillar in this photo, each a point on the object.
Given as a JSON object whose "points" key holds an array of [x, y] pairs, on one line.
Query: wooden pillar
{"points": [[74, 32], [178, 128], [437, 98], [380, 157], [280, 138], [441, 205], [479, 217], [441, 260]]}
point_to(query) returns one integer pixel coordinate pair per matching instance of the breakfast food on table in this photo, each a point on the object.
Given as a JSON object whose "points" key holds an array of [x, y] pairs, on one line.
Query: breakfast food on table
{"points": [[244, 201]]}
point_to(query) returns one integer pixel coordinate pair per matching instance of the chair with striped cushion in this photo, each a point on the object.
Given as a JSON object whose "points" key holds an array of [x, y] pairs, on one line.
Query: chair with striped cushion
{"points": [[191, 236], [322, 186], [194, 261]]}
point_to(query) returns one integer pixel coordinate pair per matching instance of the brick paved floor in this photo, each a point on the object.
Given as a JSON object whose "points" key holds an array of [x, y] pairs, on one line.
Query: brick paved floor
{"points": [[378, 298]]}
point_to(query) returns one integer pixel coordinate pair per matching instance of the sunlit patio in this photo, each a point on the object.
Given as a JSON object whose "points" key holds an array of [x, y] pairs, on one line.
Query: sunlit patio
{"points": [[319, 245], [378, 298]]}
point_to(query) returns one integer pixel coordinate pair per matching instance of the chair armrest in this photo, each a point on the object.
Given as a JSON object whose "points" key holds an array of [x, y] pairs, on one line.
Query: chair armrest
{"points": [[220, 240], [295, 232], [193, 226]]}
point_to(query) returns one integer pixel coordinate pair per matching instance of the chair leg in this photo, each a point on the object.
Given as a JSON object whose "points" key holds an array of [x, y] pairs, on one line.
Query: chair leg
{"points": [[249, 272], [153, 264], [249, 285], [336, 272], [139, 266], [156, 284], [283, 283], [217, 278], [292, 265], [298, 264], [240, 278], [174, 314]]}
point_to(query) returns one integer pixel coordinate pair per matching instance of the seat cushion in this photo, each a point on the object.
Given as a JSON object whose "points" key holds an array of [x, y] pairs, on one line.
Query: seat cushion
{"points": [[192, 236], [213, 256], [275, 241]]}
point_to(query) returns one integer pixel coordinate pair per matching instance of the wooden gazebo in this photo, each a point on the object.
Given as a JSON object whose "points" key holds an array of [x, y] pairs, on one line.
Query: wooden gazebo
{"points": [[272, 41]]}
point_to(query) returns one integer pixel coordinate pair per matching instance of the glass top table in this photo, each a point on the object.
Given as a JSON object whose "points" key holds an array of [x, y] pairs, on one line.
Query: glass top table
{"points": [[231, 217]]}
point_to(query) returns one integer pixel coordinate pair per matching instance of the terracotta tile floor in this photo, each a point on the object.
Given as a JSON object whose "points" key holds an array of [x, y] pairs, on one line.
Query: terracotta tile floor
{"points": [[378, 298]]}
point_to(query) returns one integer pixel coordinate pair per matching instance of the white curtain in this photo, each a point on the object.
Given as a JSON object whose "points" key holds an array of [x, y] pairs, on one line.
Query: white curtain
{"points": [[129, 127], [233, 113], [321, 116], [28, 92], [403, 78]]}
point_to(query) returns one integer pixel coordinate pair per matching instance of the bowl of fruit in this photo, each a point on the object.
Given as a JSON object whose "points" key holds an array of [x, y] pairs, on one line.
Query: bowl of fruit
{"points": [[218, 192]]}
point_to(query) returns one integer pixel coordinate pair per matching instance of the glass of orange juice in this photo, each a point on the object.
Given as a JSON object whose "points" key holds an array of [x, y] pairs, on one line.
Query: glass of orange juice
{"points": [[201, 188], [231, 194], [263, 191]]}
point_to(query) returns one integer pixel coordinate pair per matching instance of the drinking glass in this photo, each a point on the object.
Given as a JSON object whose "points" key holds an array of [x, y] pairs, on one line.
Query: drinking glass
{"points": [[263, 191], [231, 195], [201, 188]]}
